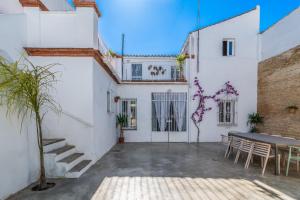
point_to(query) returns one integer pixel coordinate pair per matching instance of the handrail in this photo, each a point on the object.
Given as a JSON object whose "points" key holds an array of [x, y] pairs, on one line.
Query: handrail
{"points": [[87, 124]]}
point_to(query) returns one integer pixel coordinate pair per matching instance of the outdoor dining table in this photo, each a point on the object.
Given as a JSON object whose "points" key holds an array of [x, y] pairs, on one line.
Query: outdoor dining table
{"points": [[275, 141]]}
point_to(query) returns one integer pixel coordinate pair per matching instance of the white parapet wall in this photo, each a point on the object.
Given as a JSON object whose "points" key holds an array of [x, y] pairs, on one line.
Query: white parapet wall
{"points": [[282, 36]]}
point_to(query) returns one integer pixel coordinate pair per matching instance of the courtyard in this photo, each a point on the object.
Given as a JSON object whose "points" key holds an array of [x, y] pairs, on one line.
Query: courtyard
{"points": [[170, 171]]}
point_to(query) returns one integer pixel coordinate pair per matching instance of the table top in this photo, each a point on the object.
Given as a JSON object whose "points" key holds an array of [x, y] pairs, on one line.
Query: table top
{"points": [[274, 140]]}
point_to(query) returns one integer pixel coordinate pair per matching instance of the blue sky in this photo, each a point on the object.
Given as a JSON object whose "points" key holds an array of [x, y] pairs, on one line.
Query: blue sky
{"points": [[161, 26]]}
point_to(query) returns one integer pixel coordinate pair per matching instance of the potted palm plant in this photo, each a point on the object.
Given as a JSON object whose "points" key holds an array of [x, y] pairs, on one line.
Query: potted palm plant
{"points": [[180, 62], [253, 120], [121, 122], [24, 90]]}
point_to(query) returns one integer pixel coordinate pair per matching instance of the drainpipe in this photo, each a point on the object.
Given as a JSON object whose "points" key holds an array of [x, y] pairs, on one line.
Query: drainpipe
{"points": [[123, 39]]}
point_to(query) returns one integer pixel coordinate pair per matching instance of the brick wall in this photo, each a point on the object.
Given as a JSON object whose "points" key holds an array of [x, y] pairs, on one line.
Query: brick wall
{"points": [[279, 87]]}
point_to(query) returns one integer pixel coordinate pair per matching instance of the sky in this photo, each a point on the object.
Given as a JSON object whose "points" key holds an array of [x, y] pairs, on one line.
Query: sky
{"points": [[161, 26]]}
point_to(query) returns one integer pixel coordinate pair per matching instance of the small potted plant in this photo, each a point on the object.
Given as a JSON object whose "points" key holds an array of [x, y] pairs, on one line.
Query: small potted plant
{"points": [[292, 109], [121, 122], [253, 120], [180, 62]]}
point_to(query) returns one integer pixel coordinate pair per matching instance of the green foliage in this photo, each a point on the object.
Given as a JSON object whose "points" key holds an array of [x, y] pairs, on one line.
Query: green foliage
{"points": [[25, 91], [253, 120], [24, 88], [121, 120], [180, 61], [111, 53]]}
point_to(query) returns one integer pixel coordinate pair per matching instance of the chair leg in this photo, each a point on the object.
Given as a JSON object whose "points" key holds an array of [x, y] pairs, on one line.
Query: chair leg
{"points": [[237, 156], [279, 158], [288, 165], [265, 165], [226, 152], [248, 160], [298, 155]]}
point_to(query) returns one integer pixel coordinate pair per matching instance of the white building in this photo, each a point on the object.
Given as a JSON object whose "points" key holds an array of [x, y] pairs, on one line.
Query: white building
{"points": [[157, 99]]}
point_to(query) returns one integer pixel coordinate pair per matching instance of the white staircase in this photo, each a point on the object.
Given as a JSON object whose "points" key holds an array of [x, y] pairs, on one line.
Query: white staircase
{"points": [[62, 159]]}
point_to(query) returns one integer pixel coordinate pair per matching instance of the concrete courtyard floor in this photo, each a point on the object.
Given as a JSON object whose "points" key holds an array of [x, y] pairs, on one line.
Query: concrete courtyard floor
{"points": [[190, 162]]}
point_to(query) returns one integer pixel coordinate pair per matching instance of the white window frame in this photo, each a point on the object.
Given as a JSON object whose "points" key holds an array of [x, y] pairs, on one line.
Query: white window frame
{"points": [[139, 77], [230, 40], [129, 113], [232, 113]]}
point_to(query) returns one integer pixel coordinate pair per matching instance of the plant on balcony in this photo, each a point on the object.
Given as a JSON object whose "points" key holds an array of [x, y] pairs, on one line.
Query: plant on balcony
{"points": [[197, 115], [180, 59], [24, 90], [253, 120], [112, 54], [121, 122]]}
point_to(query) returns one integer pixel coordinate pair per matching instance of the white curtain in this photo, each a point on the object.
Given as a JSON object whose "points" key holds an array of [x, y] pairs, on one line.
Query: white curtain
{"points": [[157, 106], [179, 104]]}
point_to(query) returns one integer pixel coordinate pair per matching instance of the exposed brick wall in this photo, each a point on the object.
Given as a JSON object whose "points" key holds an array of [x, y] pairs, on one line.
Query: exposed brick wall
{"points": [[279, 87]]}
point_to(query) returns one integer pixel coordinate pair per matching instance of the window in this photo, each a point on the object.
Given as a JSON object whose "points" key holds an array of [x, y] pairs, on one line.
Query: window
{"points": [[169, 112], [174, 73], [227, 112], [108, 100], [128, 108], [228, 47], [137, 72]]}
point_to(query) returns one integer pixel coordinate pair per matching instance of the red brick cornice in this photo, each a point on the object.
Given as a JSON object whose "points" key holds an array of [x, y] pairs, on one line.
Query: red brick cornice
{"points": [[82, 3], [73, 52], [34, 3]]}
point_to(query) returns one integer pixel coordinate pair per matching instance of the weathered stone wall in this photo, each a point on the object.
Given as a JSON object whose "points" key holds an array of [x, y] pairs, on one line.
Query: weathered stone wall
{"points": [[278, 88]]}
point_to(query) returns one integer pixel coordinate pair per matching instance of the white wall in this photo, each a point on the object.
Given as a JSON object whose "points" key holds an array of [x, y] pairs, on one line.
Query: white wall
{"points": [[19, 153], [164, 62], [282, 36], [12, 37], [57, 5], [215, 70], [62, 29], [104, 122], [144, 131], [10, 6]]}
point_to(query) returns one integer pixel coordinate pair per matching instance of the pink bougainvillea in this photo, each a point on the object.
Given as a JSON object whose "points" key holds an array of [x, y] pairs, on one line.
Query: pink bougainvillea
{"points": [[197, 116]]}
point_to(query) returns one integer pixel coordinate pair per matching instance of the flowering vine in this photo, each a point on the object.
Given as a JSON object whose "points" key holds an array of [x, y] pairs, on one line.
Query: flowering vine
{"points": [[197, 116]]}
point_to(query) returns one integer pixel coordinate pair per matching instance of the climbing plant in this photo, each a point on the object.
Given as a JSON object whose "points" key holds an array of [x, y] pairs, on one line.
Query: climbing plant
{"points": [[197, 115]]}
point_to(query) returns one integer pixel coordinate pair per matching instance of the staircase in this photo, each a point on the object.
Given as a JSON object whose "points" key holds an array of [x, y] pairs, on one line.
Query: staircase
{"points": [[62, 159]]}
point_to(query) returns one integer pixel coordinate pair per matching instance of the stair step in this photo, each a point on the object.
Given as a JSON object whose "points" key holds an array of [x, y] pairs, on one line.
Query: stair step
{"points": [[62, 149], [80, 166], [52, 141], [71, 158]]}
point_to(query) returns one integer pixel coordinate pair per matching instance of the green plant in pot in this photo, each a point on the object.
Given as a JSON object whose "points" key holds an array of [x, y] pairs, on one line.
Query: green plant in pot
{"points": [[121, 122], [180, 59], [25, 92], [253, 120]]}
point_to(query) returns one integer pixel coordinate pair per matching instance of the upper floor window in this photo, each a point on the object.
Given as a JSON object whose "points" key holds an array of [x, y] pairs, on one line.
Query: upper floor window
{"points": [[137, 72], [128, 108], [227, 112], [174, 73], [228, 47]]}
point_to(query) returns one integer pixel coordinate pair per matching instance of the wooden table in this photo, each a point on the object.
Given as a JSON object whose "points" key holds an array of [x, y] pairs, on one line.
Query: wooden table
{"points": [[275, 141]]}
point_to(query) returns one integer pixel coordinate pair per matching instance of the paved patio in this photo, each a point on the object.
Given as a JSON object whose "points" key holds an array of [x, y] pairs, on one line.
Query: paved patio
{"points": [[170, 171]]}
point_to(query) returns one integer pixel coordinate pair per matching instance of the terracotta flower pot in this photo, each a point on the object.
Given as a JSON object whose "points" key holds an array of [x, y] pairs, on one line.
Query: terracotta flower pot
{"points": [[121, 140]]}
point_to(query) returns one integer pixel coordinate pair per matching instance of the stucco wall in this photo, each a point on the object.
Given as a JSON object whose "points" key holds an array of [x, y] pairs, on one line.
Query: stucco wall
{"points": [[18, 147], [142, 93], [165, 62], [278, 88], [215, 70], [281, 37], [104, 122]]}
